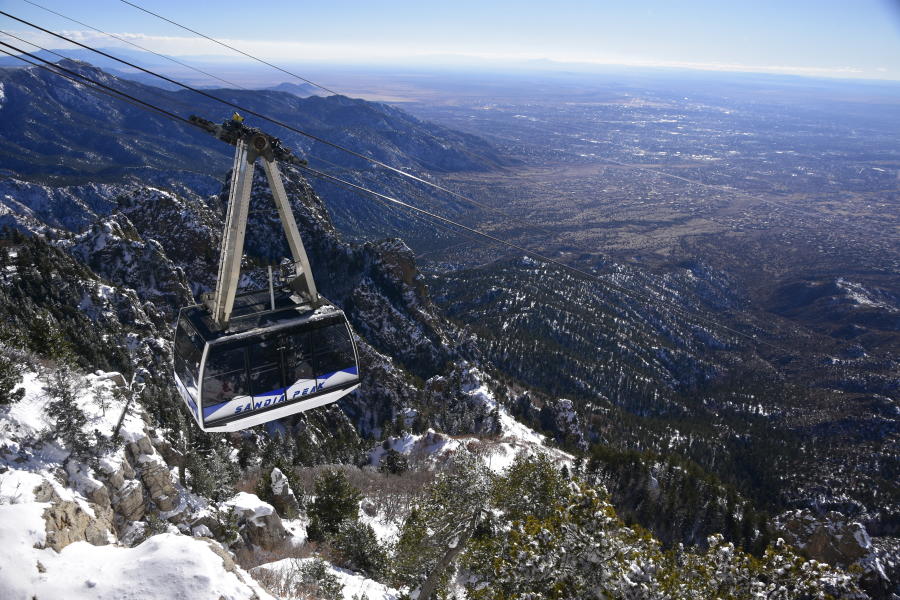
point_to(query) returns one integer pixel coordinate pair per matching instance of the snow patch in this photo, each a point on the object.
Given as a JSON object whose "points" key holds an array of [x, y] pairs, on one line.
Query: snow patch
{"points": [[860, 295], [163, 567], [431, 447], [387, 531], [250, 505], [355, 586]]}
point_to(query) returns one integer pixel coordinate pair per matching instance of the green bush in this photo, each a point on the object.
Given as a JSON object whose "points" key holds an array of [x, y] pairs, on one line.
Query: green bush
{"points": [[394, 463], [10, 377], [336, 501], [357, 548]]}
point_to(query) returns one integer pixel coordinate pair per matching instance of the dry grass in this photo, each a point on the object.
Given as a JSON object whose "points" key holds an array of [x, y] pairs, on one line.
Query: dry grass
{"points": [[391, 496], [301, 581], [250, 557], [248, 481]]}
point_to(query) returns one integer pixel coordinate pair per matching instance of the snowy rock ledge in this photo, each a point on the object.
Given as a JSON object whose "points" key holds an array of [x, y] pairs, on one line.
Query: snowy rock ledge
{"points": [[163, 567], [66, 528]]}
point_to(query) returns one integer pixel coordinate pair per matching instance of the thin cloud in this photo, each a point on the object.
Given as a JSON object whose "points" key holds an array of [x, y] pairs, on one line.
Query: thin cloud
{"points": [[289, 51]]}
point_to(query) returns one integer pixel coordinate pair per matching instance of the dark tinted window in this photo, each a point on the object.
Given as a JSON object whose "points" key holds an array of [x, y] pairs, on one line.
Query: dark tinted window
{"points": [[225, 360], [265, 366], [225, 375], [333, 349], [265, 381], [298, 351], [265, 353], [188, 353]]}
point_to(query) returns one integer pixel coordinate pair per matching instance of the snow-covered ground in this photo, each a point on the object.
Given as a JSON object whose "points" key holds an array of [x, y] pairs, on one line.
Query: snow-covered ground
{"points": [[355, 586], [168, 565], [432, 447], [163, 567], [29, 464], [862, 296], [387, 531]]}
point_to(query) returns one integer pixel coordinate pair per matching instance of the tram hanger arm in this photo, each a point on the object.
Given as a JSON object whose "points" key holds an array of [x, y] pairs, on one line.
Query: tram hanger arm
{"points": [[234, 129], [252, 144]]}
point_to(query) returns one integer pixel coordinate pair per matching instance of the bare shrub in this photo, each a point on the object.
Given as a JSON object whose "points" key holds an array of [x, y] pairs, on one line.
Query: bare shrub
{"points": [[248, 480], [304, 580], [251, 557], [391, 495]]}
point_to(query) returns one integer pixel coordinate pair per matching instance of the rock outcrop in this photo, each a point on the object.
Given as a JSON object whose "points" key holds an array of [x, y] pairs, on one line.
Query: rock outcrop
{"points": [[114, 249], [832, 538], [69, 521], [283, 498], [836, 540], [258, 523]]}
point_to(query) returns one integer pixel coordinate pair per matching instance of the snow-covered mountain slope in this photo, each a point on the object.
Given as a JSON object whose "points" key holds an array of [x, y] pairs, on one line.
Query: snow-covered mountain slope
{"points": [[114, 249], [508, 440], [110, 519], [121, 491], [73, 529], [31, 206]]}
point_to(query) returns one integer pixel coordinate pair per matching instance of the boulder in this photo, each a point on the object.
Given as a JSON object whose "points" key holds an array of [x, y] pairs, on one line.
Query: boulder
{"points": [[831, 538], [100, 496], [259, 524], [68, 521], [154, 473], [283, 498], [128, 501]]}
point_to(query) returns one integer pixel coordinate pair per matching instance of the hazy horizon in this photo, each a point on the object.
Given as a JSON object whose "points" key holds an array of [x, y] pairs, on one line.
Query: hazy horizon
{"points": [[821, 39]]}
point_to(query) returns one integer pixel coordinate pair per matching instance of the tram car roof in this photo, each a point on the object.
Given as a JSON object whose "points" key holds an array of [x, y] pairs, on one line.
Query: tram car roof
{"points": [[253, 314]]}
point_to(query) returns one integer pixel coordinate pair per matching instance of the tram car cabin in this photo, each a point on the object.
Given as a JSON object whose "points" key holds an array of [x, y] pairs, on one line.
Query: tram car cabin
{"points": [[273, 360], [245, 359]]}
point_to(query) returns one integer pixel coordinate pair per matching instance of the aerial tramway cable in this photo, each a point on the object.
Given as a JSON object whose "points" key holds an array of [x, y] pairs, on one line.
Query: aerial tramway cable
{"points": [[178, 62], [419, 218], [136, 45], [539, 256], [100, 87], [180, 103], [724, 188], [195, 32]]}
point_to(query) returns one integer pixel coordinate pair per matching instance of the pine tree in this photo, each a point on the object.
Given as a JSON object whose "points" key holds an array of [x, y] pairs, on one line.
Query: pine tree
{"points": [[10, 377], [201, 480], [581, 549], [69, 420], [532, 485], [223, 473], [438, 530], [393, 463], [336, 501], [358, 548], [179, 437], [249, 448]]}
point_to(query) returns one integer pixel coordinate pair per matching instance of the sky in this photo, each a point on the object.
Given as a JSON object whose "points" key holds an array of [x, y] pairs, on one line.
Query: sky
{"points": [[831, 38]]}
